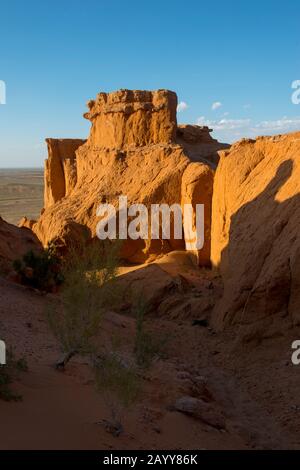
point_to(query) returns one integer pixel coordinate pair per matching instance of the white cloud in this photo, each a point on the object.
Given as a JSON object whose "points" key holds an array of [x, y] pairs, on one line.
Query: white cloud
{"points": [[216, 105], [182, 106], [283, 124], [232, 129], [224, 124]]}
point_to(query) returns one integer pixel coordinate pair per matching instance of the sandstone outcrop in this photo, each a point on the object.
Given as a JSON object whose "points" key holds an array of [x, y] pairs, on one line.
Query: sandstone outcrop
{"points": [[132, 117], [255, 231], [60, 169], [196, 188], [27, 223], [14, 243], [135, 148], [197, 141]]}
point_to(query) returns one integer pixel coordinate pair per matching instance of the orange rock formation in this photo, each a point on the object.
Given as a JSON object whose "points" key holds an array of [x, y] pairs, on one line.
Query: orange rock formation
{"points": [[255, 224], [60, 169], [14, 243], [135, 148]]}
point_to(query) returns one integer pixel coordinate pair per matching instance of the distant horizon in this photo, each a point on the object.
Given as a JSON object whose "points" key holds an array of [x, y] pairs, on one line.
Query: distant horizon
{"points": [[21, 168], [41, 166]]}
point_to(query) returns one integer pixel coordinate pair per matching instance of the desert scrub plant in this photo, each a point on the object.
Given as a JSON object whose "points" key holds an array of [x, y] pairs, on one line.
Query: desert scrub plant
{"points": [[41, 270], [146, 347], [88, 289], [6, 392], [8, 373], [119, 385]]}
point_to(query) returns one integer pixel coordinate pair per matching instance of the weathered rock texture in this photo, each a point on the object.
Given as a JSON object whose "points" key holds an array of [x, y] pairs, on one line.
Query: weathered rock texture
{"points": [[197, 141], [255, 231], [14, 243], [135, 149], [197, 187], [60, 169], [132, 117], [27, 223]]}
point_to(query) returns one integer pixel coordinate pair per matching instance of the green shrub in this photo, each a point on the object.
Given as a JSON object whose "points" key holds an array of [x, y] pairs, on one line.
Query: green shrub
{"points": [[8, 374], [87, 291], [147, 347], [40, 270], [119, 385], [118, 379]]}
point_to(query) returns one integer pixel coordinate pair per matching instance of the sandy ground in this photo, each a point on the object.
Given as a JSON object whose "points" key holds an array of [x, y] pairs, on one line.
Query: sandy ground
{"points": [[255, 387]]}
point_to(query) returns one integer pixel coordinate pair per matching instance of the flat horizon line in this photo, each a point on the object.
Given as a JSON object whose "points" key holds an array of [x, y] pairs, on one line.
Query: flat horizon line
{"points": [[21, 168]]}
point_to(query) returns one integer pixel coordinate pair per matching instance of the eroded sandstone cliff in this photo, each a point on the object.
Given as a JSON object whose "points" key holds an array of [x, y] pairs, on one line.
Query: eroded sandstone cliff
{"points": [[135, 148], [14, 243], [60, 174], [132, 117], [255, 231], [252, 211]]}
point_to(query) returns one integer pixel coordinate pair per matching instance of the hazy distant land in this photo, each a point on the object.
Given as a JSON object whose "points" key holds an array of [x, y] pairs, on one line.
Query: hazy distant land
{"points": [[21, 193]]}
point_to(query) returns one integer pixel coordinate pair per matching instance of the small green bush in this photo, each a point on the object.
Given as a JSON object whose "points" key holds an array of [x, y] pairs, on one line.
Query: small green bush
{"points": [[8, 373], [87, 291], [147, 347], [40, 270], [118, 380], [119, 385]]}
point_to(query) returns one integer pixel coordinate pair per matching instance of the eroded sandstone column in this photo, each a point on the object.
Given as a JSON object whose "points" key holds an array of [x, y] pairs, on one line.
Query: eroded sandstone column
{"points": [[196, 188], [132, 118], [60, 173]]}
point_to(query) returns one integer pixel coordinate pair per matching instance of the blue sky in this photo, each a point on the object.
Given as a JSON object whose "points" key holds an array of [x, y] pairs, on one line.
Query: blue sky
{"points": [[55, 55]]}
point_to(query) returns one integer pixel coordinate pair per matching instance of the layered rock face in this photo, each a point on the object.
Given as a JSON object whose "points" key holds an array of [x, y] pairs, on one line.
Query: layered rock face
{"points": [[14, 243], [132, 117], [136, 149], [255, 225], [60, 169], [197, 185], [251, 206], [197, 141]]}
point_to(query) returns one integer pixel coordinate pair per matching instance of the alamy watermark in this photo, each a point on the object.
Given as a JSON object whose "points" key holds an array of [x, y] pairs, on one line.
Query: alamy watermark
{"points": [[296, 94], [161, 221], [2, 353], [296, 354], [2, 92]]}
